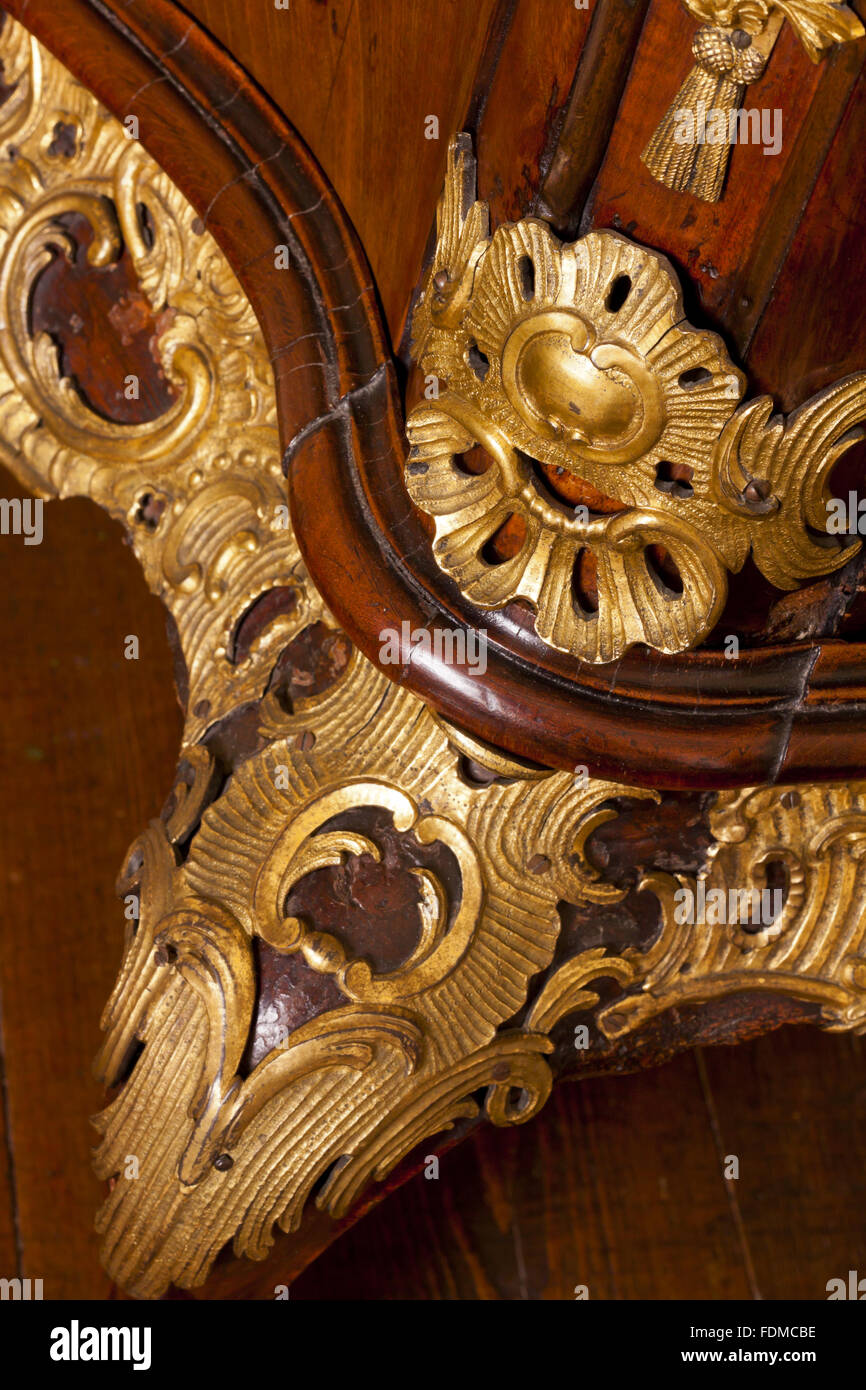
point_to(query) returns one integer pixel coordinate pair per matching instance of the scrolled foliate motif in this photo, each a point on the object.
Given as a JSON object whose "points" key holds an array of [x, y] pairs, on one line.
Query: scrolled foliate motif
{"points": [[350, 1093], [578, 358], [730, 933], [229, 1145], [226, 1149], [780, 908], [200, 489]]}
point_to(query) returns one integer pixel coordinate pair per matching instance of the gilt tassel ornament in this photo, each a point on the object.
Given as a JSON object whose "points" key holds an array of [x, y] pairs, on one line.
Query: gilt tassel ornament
{"points": [[691, 148]]}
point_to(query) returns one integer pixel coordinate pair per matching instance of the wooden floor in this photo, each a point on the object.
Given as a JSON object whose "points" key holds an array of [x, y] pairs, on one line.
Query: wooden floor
{"points": [[618, 1186]]}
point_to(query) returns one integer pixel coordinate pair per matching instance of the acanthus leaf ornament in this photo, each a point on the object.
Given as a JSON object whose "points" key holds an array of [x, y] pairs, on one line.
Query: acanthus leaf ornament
{"points": [[578, 358], [225, 1149], [691, 147]]}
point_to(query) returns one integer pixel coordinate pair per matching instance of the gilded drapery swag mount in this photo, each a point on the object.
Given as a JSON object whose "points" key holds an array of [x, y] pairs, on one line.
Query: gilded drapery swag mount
{"points": [[575, 362], [690, 149]]}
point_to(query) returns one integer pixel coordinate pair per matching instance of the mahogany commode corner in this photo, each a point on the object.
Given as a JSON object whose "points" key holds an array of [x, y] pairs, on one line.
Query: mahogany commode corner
{"points": [[386, 900]]}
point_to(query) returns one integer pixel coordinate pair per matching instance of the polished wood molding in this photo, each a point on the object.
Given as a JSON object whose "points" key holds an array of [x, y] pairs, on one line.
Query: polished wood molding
{"points": [[777, 714]]}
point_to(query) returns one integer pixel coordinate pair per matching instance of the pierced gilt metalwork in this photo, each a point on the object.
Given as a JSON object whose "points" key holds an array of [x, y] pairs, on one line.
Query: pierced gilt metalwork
{"points": [[224, 1155], [813, 949], [579, 357], [226, 1149], [691, 148]]}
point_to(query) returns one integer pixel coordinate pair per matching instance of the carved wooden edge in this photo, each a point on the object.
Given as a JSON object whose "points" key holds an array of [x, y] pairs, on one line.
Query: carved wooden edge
{"points": [[784, 713], [595, 96]]}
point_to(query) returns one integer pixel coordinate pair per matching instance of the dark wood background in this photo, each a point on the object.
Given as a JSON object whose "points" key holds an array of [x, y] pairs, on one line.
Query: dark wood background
{"points": [[619, 1184]]}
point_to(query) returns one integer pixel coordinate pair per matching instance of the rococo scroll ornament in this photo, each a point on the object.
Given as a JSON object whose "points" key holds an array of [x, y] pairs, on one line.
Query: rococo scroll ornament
{"points": [[574, 369], [200, 489], [690, 150], [273, 789], [341, 1099], [293, 770], [730, 932]]}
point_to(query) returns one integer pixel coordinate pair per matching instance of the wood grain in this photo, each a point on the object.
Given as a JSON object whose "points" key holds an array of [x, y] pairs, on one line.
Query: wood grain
{"points": [[256, 185], [593, 105], [88, 744], [9, 1253], [822, 286], [525, 105], [338, 71], [718, 245], [619, 1185]]}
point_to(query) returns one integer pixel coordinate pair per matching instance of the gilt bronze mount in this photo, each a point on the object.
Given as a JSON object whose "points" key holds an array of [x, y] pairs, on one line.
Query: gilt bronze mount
{"points": [[578, 359], [237, 1131]]}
